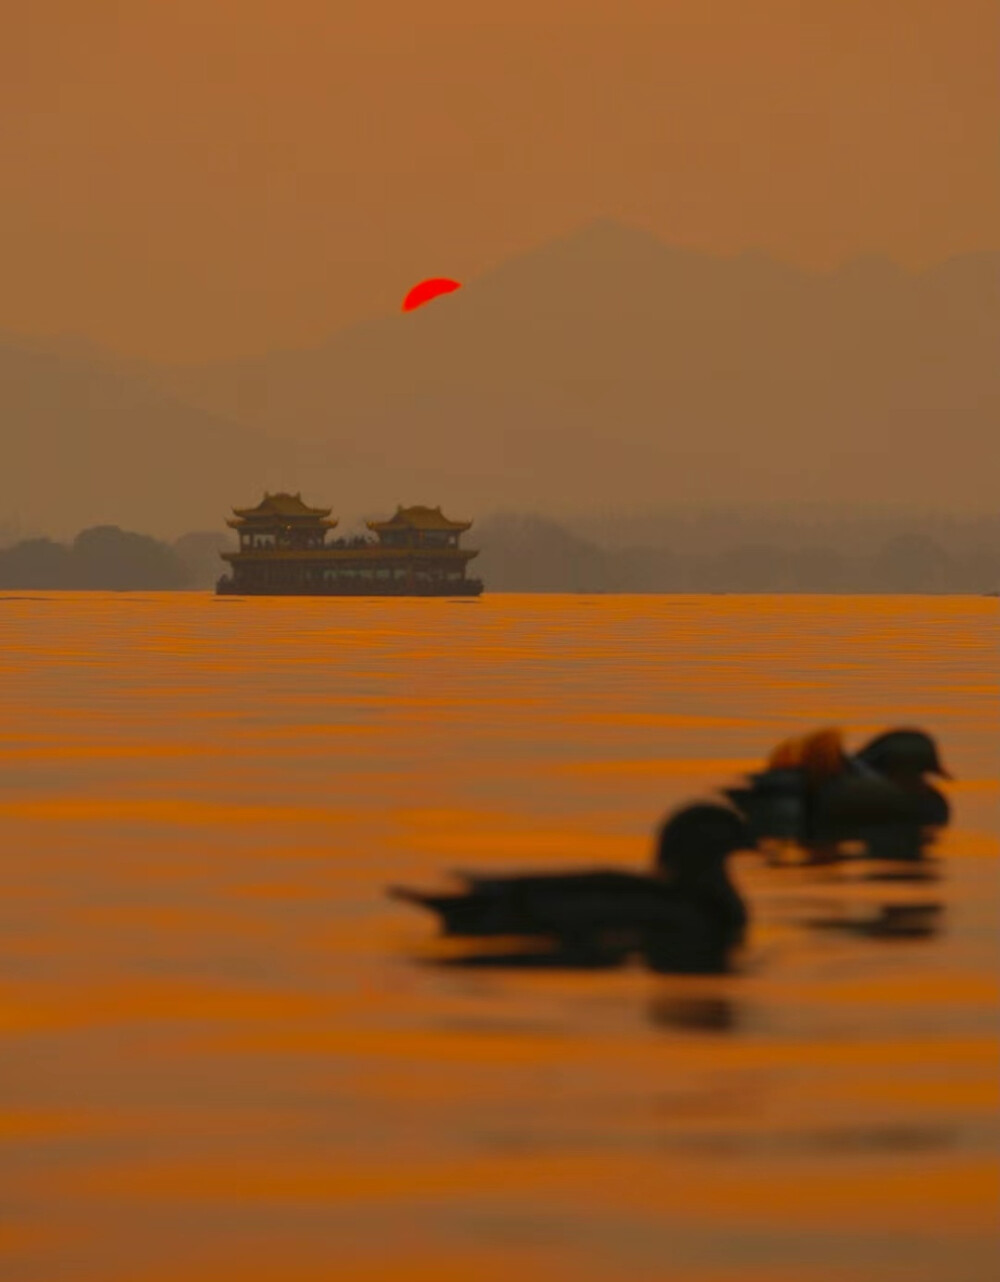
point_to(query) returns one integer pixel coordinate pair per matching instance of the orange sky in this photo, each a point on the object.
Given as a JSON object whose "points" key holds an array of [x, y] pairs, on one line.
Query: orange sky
{"points": [[193, 178]]}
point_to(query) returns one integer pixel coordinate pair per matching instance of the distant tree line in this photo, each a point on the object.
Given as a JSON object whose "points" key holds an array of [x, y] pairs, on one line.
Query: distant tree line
{"points": [[106, 557], [527, 553]]}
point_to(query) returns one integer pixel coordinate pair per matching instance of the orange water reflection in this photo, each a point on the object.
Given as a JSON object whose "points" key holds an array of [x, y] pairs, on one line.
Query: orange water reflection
{"points": [[220, 1060]]}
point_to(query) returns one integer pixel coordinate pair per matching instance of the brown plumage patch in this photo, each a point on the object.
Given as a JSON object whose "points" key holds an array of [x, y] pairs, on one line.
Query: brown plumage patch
{"points": [[819, 755]]}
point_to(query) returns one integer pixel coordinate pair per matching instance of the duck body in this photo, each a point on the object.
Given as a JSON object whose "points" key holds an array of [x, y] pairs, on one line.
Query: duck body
{"points": [[683, 917], [548, 903]]}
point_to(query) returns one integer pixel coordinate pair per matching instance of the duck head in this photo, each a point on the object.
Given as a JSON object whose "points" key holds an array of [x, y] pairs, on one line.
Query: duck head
{"points": [[903, 754], [692, 849], [700, 837]]}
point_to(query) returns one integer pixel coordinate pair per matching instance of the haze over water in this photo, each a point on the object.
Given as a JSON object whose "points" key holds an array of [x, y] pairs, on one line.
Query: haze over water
{"points": [[220, 1058]]}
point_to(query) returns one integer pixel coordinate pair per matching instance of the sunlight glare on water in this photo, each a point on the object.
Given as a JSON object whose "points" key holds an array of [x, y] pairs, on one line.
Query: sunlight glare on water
{"points": [[222, 1056]]}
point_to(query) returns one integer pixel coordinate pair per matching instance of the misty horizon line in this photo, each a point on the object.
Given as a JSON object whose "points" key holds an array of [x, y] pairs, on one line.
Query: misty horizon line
{"points": [[536, 554]]}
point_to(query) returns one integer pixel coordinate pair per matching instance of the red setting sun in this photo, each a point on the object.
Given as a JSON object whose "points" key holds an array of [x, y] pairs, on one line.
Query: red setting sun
{"points": [[427, 290]]}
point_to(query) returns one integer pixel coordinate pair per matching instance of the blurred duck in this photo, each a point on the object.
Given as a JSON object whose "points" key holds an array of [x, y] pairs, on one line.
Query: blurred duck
{"points": [[683, 917], [811, 791]]}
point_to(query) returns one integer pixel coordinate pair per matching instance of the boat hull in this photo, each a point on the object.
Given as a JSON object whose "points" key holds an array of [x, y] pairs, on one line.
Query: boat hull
{"points": [[464, 588]]}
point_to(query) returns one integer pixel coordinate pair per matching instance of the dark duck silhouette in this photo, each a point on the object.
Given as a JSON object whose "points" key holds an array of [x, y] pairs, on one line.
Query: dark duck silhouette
{"points": [[683, 917], [812, 792]]}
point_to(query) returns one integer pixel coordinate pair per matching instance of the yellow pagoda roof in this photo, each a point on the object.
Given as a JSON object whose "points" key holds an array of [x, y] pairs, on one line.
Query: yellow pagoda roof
{"points": [[418, 518], [284, 506]]}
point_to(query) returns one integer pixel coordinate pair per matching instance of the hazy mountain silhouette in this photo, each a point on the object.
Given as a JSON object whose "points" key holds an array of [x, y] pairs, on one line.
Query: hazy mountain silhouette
{"points": [[520, 552], [602, 372], [608, 368], [87, 441]]}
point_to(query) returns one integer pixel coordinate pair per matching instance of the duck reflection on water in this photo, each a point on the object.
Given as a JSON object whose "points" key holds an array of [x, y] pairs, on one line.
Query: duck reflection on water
{"points": [[886, 921], [683, 917], [694, 1012]]}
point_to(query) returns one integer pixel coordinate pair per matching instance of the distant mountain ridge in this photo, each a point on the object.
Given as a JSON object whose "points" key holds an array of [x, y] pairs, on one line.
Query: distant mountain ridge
{"points": [[607, 367], [602, 371], [86, 441]]}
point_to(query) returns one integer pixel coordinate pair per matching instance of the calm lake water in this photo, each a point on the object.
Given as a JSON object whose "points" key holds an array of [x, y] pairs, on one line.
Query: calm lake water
{"points": [[222, 1055]]}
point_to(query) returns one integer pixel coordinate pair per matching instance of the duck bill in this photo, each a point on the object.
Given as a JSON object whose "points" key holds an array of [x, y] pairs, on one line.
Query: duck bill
{"points": [[938, 768]]}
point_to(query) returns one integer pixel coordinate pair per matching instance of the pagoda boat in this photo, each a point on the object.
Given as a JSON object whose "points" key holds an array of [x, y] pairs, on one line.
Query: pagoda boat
{"points": [[285, 551]]}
